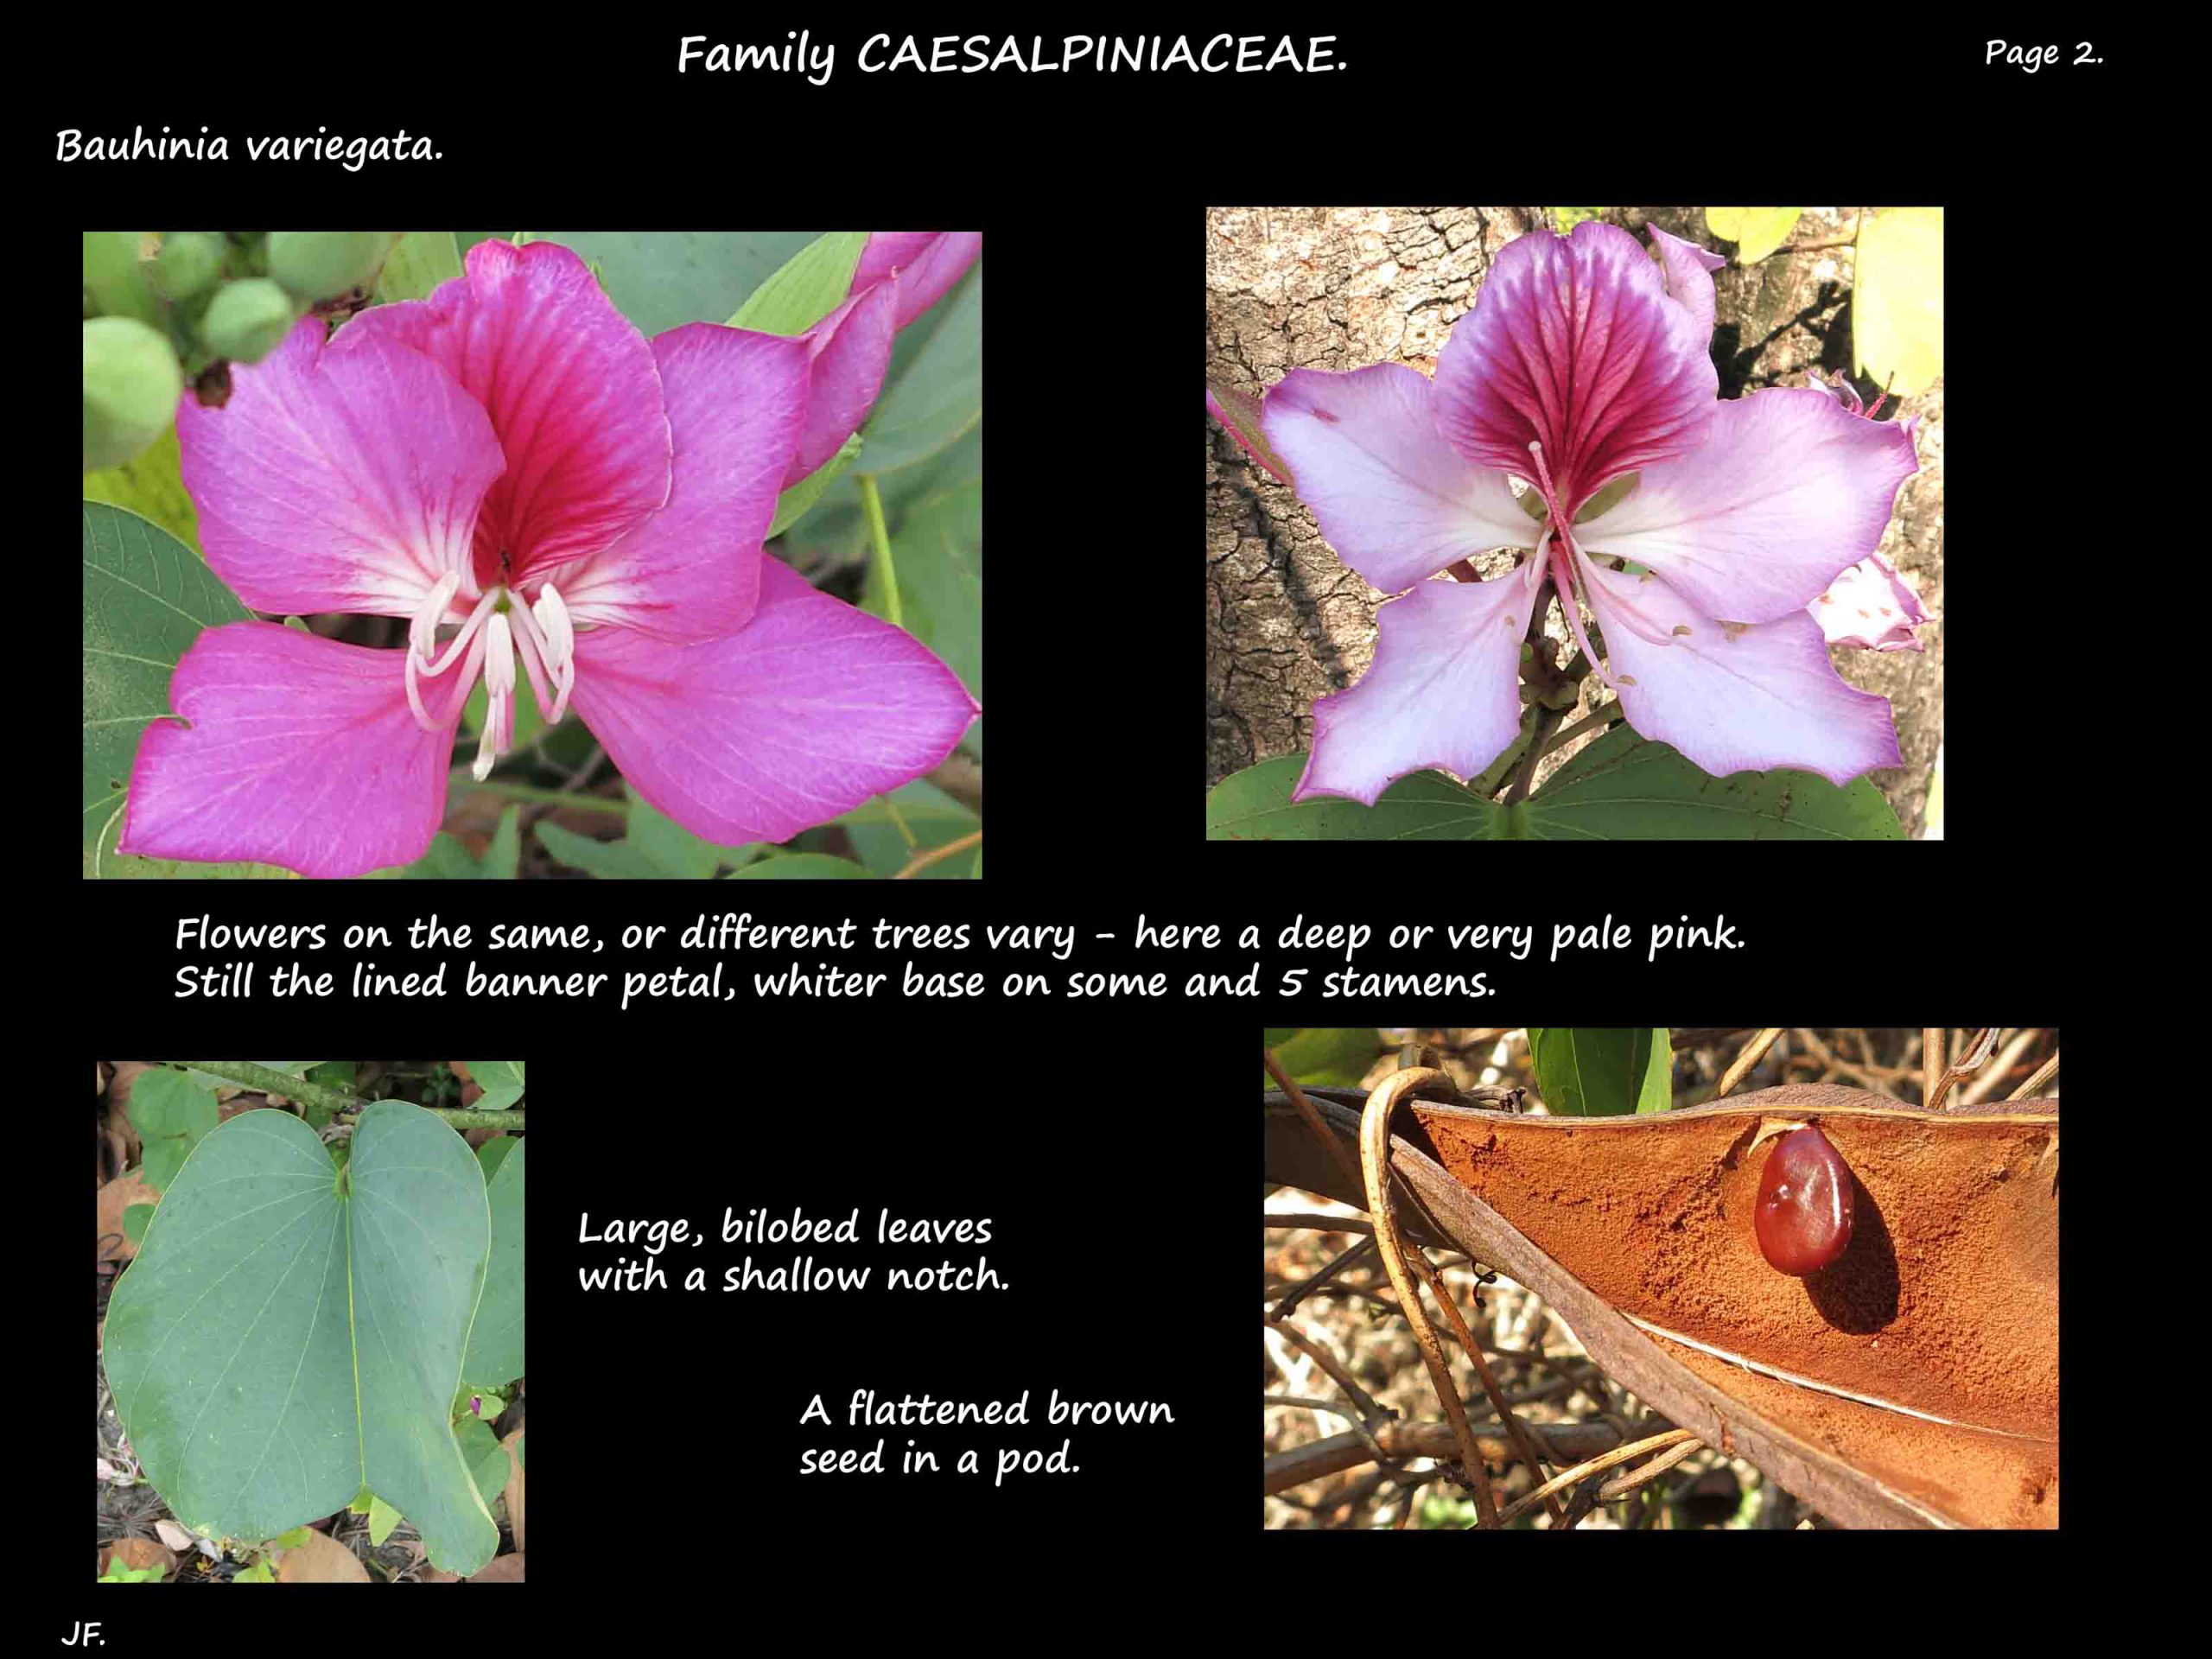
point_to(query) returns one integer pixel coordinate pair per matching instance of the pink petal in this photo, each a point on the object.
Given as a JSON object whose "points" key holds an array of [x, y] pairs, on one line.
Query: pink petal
{"points": [[1574, 343], [337, 480], [928, 263], [1733, 698], [1395, 501], [1788, 488], [301, 752], [571, 389], [852, 351], [1841, 389], [812, 709], [1444, 689], [1870, 604], [1689, 270], [691, 571]]}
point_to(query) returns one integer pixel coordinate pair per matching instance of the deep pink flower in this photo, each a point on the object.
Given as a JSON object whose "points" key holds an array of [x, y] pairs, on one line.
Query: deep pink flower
{"points": [[517, 472], [1585, 362]]}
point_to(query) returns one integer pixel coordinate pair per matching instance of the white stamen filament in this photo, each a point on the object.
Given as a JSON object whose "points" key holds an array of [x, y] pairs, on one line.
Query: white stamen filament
{"points": [[1565, 579], [499, 681], [422, 640], [554, 639], [552, 614], [422, 626]]}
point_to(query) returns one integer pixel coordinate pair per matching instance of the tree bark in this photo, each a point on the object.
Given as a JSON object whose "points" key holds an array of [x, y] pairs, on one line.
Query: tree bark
{"points": [[1339, 289]]}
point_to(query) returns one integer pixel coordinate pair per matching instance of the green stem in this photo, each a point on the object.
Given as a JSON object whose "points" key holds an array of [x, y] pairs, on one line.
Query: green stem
{"points": [[269, 1081], [1603, 714], [1547, 721], [458, 1118], [880, 544], [337, 1101]]}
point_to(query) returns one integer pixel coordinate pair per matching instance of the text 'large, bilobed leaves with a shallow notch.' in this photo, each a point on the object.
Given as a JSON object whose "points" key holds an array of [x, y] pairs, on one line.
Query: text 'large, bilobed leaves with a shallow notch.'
{"points": [[265, 1288]]}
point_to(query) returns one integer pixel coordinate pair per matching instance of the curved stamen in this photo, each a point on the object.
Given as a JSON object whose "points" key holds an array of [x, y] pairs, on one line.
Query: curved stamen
{"points": [[1565, 578], [420, 664], [422, 626], [551, 613], [447, 715], [415, 691], [499, 681], [1561, 555], [530, 646], [547, 642], [485, 608]]}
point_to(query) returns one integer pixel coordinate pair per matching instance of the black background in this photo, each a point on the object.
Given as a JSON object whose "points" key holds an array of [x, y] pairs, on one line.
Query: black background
{"points": [[1097, 1136]]}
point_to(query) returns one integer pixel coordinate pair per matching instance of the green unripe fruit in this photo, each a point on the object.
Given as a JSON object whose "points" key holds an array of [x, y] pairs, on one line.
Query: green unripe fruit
{"points": [[319, 265], [131, 386], [247, 320], [115, 278], [189, 264]]}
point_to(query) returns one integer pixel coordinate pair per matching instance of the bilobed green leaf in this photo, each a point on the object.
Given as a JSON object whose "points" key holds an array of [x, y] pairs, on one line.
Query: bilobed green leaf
{"points": [[1620, 788], [1625, 788], [495, 1339], [279, 1343], [1255, 804], [1603, 1071], [136, 1219]]}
